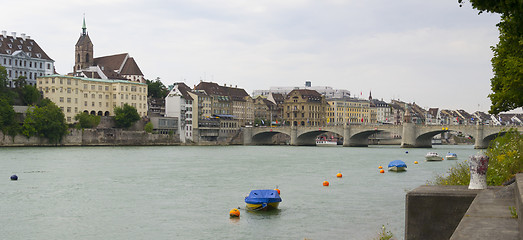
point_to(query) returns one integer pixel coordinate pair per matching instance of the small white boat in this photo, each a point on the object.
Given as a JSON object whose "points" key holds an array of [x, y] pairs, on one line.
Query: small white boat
{"points": [[451, 156], [332, 142], [433, 156]]}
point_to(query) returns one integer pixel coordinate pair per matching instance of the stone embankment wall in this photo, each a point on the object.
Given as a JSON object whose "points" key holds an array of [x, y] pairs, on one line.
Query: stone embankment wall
{"points": [[95, 137]]}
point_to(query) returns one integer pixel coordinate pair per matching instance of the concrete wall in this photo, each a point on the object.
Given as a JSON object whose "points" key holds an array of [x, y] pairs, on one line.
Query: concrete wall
{"points": [[434, 212], [96, 137]]}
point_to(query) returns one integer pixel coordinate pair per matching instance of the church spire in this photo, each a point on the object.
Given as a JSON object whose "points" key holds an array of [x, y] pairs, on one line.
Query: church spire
{"points": [[84, 28]]}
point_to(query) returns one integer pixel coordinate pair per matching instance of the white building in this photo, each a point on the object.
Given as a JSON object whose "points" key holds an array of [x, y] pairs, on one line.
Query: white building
{"points": [[179, 103], [21, 56]]}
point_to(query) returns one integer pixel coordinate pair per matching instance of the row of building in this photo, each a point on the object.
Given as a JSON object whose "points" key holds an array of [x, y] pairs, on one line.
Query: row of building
{"points": [[208, 111]]}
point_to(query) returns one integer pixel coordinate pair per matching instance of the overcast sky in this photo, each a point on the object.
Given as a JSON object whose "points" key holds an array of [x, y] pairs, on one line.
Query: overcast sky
{"points": [[431, 52]]}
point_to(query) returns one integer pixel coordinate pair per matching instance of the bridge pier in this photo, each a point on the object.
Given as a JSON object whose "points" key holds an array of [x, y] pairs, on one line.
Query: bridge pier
{"points": [[408, 137], [479, 141], [346, 135], [294, 136], [247, 136]]}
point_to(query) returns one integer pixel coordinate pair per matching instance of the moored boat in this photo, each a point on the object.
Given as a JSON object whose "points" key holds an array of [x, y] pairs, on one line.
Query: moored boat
{"points": [[265, 199], [330, 142], [433, 156], [451, 156], [397, 166]]}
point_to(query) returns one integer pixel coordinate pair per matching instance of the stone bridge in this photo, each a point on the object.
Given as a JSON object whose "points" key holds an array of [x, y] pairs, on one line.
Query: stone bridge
{"points": [[412, 135]]}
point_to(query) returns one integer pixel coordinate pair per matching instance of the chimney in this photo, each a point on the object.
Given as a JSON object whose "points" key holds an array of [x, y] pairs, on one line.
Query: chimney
{"points": [[4, 33], [23, 36], [14, 34], [28, 37]]}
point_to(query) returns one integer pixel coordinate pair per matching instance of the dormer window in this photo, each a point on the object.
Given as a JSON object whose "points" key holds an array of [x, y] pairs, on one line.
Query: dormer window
{"points": [[10, 45], [31, 43], [29, 48], [38, 55], [20, 47], [8, 51], [12, 40]]}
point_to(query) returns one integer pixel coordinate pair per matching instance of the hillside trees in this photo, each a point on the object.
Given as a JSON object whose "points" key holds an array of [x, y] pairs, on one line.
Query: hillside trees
{"points": [[126, 116], [47, 121], [507, 63]]}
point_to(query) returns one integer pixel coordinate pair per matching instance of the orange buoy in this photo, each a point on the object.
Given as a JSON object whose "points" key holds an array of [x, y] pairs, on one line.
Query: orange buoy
{"points": [[380, 167], [277, 190], [234, 213], [339, 175], [325, 183], [382, 171], [415, 162]]}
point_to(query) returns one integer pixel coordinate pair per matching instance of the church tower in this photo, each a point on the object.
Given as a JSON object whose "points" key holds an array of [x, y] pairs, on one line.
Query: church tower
{"points": [[83, 51]]}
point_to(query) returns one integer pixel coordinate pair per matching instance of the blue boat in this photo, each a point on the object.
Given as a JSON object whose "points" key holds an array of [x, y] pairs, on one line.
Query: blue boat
{"points": [[263, 199], [397, 166], [452, 156]]}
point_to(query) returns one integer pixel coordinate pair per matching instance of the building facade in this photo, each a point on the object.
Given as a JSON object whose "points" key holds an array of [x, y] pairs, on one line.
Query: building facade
{"points": [[22, 56], [93, 96], [305, 108]]}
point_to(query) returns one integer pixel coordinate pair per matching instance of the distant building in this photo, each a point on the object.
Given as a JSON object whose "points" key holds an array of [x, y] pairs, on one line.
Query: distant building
{"points": [[328, 92], [179, 103], [93, 96], [22, 56], [119, 66], [304, 107]]}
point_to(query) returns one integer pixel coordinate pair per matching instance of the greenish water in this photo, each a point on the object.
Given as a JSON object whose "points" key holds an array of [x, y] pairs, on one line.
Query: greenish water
{"points": [[187, 192]]}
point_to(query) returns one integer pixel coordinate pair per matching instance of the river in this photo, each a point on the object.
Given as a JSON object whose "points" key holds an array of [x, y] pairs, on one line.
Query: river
{"points": [[186, 192]]}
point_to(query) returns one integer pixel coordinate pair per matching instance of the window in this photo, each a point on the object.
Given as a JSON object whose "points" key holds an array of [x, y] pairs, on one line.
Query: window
{"points": [[61, 99], [68, 100]]}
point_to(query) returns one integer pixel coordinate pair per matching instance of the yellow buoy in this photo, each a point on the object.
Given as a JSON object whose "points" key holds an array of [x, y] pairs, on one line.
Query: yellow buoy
{"points": [[382, 171], [380, 167], [339, 175], [277, 190], [415, 162], [325, 183], [234, 213]]}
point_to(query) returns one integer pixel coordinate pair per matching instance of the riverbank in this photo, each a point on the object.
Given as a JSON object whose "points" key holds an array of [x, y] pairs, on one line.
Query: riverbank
{"points": [[94, 137]]}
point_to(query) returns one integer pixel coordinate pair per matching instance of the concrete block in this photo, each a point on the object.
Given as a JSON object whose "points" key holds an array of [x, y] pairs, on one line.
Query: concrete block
{"points": [[434, 212]]}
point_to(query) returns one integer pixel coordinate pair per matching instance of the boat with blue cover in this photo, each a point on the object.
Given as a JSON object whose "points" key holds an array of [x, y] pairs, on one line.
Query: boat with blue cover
{"points": [[397, 166], [263, 199]]}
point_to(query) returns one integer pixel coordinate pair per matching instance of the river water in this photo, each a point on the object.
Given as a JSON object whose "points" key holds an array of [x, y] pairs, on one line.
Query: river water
{"points": [[186, 192]]}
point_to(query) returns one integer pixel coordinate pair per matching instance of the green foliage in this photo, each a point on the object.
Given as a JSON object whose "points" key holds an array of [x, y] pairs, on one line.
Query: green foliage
{"points": [[86, 120], [125, 116], [513, 212], [458, 174], [507, 63], [156, 89], [47, 121], [385, 234], [149, 127], [20, 82], [505, 160], [7, 114], [3, 78], [30, 94], [506, 157]]}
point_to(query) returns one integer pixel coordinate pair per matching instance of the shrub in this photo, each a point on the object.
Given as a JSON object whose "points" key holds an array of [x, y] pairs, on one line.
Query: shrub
{"points": [[86, 120], [149, 127]]}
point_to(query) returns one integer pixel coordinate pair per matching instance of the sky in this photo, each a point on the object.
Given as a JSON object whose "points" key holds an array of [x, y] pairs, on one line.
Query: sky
{"points": [[430, 52]]}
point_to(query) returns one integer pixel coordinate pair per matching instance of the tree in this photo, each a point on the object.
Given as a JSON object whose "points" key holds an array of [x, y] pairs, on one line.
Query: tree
{"points": [[7, 114], [30, 94], [3, 78], [149, 127], [20, 82], [86, 120], [47, 121], [125, 116], [507, 63], [156, 89]]}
